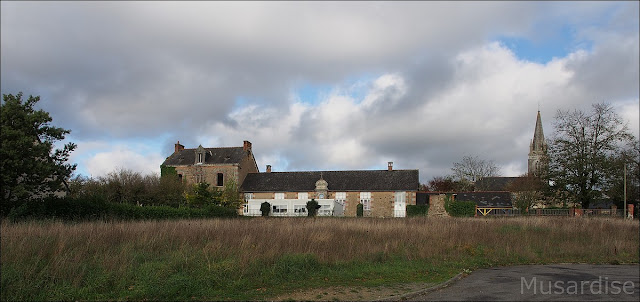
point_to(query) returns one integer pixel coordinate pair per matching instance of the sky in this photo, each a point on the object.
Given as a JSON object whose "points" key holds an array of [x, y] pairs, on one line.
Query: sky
{"points": [[318, 85]]}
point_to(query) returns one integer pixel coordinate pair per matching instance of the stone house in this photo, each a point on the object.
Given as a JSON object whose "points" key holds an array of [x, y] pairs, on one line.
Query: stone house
{"points": [[215, 166], [383, 193]]}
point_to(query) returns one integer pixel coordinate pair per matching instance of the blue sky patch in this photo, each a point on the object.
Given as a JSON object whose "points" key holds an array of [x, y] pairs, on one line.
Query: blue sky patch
{"points": [[543, 50]]}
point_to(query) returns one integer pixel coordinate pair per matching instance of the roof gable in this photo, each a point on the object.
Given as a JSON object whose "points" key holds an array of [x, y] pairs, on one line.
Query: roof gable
{"points": [[229, 155], [363, 180]]}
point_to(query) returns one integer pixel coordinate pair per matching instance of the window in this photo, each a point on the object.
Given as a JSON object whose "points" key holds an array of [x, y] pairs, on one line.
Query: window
{"points": [[365, 200], [300, 210], [279, 209], [303, 195], [200, 157], [341, 197], [325, 210], [180, 177], [199, 178], [220, 180], [278, 196]]}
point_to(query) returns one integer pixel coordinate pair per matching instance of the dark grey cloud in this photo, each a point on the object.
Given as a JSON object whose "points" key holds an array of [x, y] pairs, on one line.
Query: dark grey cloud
{"points": [[125, 70]]}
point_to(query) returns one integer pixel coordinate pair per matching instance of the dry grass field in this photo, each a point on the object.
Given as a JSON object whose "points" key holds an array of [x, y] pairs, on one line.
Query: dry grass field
{"points": [[258, 258]]}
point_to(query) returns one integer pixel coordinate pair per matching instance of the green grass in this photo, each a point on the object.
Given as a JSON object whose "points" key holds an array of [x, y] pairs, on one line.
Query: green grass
{"points": [[256, 259]]}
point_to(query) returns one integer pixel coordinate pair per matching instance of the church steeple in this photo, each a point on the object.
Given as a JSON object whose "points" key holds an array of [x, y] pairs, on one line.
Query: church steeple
{"points": [[537, 149]]}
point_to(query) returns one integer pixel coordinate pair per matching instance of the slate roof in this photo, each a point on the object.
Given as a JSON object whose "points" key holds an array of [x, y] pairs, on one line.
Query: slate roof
{"points": [[228, 155], [364, 180], [487, 199], [494, 183]]}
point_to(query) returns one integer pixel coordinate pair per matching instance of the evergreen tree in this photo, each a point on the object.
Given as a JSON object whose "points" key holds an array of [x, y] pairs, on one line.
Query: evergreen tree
{"points": [[30, 167]]}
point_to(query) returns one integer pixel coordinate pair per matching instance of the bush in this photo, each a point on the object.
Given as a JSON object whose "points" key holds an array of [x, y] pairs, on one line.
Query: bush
{"points": [[460, 208], [265, 208], [312, 208], [417, 210], [360, 210], [77, 209]]}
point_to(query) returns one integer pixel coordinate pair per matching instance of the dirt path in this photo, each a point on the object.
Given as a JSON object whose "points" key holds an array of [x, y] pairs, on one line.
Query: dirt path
{"points": [[353, 293]]}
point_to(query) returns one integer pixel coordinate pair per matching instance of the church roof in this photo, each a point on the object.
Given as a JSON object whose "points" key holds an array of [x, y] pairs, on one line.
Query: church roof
{"points": [[228, 155], [363, 180]]}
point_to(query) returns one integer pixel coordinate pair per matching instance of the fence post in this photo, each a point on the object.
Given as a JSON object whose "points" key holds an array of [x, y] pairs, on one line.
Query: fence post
{"points": [[475, 214]]}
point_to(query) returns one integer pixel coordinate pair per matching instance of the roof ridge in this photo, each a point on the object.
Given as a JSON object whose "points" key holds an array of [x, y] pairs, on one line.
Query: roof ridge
{"points": [[213, 148], [320, 171]]}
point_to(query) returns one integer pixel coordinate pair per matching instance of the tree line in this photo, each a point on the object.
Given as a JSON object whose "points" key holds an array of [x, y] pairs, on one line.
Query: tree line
{"points": [[591, 155], [587, 157]]}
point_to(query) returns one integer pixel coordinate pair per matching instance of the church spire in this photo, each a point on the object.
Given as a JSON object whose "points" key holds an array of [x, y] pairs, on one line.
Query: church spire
{"points": [[537, 149], [538, 135]]}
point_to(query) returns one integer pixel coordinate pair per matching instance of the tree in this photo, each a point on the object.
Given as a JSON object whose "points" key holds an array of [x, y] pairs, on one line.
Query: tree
{"points": [[265, 208], [230, 196], [583, 152], [202, 196], [527, 191], [30, 166], [472, 169], [312, 208], [446, 184]]}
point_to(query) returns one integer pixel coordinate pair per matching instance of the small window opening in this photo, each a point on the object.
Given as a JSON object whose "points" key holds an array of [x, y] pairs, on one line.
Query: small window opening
{"points": [[220, 179]]}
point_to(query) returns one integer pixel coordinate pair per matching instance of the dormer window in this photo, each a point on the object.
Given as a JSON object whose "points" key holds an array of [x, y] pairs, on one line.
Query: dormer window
{"points": [[201, 155]]}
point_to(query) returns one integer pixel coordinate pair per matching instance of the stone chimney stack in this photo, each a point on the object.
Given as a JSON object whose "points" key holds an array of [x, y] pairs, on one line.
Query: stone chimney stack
{"points": [[390, 166], [178, 147], [268, 168], [247, 146]]}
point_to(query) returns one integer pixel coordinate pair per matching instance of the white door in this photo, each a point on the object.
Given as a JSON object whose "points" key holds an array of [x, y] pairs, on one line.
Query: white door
{"points": [[400, 206]]}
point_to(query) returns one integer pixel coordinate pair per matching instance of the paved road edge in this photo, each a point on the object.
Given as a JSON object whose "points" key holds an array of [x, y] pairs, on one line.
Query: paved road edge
{"points": [[426, 290]]}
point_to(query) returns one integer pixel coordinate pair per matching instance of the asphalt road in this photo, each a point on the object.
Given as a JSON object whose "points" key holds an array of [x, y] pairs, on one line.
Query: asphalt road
{"points": [[558, 282]]}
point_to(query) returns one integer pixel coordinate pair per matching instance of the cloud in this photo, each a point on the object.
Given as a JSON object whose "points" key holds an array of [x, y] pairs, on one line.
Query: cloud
{"points": [[123, 157], [417, 83]]}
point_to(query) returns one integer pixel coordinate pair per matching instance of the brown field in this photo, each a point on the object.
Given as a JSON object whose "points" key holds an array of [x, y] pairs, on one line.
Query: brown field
{"points": [[71, 255]]}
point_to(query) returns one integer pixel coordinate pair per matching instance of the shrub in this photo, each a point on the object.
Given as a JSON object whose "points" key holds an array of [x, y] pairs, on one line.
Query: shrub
{"points": [[461, 208], [78, 209], [417, 210], [360, 210], [312, 208], [265, 208]]}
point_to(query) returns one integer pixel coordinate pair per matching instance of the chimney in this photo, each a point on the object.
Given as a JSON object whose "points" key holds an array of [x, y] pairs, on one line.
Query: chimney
{"points": [[247, 146], [178, 147], [390, 166], [268, 168]]}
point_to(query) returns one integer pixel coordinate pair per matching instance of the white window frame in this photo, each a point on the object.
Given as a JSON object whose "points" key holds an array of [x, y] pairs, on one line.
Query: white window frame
{"points": [[279, 209], [247, 196], [278, 195], [341, 197], [365, 200], [300, 210], [303, 195], [324, 210]]}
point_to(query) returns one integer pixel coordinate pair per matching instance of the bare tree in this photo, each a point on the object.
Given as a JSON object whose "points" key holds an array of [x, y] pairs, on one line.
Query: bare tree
{"points": [[472, 169], [583, 151]]}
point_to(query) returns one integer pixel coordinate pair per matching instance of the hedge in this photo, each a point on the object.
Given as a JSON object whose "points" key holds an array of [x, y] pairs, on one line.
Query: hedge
{"points": [[73, 209], [417, 210], [461, 208]]}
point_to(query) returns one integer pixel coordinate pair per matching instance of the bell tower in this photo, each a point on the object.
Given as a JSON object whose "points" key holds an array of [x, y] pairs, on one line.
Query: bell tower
{"points": [[537, 150]]}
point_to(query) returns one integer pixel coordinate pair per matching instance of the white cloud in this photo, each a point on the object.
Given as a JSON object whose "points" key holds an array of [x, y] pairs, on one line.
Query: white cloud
{"points": [[427, 90], [123, 157]]}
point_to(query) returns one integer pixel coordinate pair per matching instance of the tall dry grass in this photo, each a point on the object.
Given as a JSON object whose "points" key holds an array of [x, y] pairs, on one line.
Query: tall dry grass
{"points": [[56, 251], [330, 240]]}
